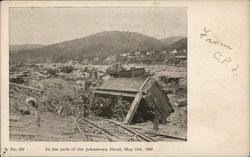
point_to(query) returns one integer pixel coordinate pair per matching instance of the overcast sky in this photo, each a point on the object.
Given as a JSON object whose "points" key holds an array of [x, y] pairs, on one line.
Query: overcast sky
{"points": [[52, 25]]}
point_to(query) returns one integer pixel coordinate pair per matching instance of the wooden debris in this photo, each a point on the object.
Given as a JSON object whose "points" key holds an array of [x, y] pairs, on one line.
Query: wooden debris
{"points": [[22, 134], [22, 86], [160, 101], [156, 120], [163, 134], [50, 108], [135, 103], [85, 138], [95, 135], [106, 131], [144, 137], [17, 125]]}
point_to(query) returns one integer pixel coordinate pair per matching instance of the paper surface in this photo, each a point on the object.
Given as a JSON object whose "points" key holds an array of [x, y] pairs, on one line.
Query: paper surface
{"points": [[218, 83]]}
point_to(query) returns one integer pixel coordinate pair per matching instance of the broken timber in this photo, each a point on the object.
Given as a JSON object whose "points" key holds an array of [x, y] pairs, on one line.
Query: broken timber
{"points": [[79, 129], [148, 139], [27, 87], [156, 120], [110, 135], [135, 103], [154, 96]]}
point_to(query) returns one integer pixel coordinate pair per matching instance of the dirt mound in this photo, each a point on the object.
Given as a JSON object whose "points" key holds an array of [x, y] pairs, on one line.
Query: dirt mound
{"points": [[53, 93]]}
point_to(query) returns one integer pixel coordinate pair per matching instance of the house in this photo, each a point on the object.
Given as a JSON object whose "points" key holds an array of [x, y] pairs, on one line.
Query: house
{"points": [[85, 61], [124, 54], [164, 52], [137, 53], [173, 52], [96, 59], [150, 52]]}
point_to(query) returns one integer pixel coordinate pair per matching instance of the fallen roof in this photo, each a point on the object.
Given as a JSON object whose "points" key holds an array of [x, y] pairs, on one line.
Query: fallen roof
{"points": [[122, 84]]}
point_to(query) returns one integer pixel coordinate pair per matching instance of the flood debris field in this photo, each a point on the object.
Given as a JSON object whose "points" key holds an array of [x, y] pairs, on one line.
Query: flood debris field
{"points": [[56, 102]]}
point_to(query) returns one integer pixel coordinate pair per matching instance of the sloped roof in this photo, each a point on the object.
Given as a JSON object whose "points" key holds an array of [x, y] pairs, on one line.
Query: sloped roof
{"points": [[123, 84]]}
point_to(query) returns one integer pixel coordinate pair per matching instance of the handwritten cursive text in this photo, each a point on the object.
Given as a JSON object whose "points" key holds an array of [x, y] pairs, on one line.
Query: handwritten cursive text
{"points": [[204, 35]]}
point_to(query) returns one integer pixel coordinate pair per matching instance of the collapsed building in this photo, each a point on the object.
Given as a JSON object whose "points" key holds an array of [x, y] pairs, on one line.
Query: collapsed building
{"points": [[138, 98]]}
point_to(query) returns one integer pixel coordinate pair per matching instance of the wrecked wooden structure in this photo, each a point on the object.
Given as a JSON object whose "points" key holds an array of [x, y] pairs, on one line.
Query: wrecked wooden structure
{"points": [[118, 71], [139, 89], [19, 76]]}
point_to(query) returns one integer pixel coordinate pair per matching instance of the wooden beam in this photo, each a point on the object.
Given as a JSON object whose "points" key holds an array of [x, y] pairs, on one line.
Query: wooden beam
{"points": [[12, 133], [163, 134], [106, 131], [22, 86], [156, 120], [85, 138], [149, 139], [135, 103], [118, 93], [133, 109]]}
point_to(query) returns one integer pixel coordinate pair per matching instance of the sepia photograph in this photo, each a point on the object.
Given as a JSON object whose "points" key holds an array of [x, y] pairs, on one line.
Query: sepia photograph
{"points": [[98, 74]]}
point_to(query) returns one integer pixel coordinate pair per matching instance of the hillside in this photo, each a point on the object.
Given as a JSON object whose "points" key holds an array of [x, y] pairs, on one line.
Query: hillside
{"points": [[100, 44], [24, 47], [97, 45], [178, 45], [170, 40]]}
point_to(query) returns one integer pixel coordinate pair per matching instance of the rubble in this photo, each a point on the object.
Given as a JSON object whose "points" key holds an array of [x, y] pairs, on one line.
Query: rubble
{"points": [[119, 70], [91, 92]]}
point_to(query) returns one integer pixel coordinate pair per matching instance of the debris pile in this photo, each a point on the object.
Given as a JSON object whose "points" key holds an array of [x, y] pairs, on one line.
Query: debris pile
{"points": [[62, 97], [56, 95], [19, 74], [178, 118], [86, 92], [18, 94], [115, 107]]}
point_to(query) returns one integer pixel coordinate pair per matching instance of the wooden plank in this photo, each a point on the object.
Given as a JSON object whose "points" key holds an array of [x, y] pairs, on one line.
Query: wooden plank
{"points": [[22, 134], [106, 131], [14, 117], [135, 103], [148, 139], [17, 125], [85, 138], [22, 86], [156, 120], [161, 103], [133, 109], [118, 93], [122, 84], [157, 133]]}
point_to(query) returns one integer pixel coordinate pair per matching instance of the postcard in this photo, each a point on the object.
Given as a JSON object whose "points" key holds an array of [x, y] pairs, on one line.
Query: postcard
{"points": [[124, 78]]}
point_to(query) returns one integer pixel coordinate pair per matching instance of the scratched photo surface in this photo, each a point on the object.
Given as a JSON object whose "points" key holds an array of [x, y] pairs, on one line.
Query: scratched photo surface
{"points": [[98, 74]]}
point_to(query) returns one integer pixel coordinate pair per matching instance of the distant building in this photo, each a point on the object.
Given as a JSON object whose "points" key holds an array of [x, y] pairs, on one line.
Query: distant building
{"points": [[131, 56], [85, 61], [75, 62], [124, 54], [150, 52], [96, 59], [173, 52], [164, 52]]}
